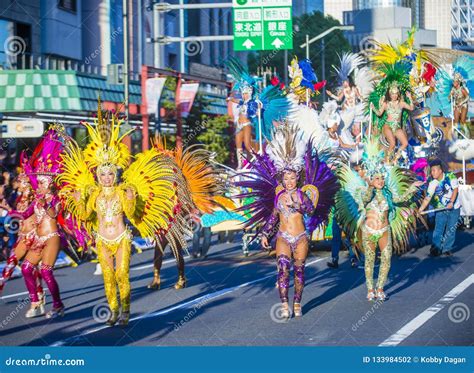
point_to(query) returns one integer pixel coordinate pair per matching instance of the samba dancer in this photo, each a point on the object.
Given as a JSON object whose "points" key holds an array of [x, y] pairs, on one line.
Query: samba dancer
{"points": [[146, 196]]}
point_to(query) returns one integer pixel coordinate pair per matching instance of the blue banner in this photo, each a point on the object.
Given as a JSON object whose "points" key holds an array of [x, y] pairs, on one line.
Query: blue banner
{"points": [[237, 359]]}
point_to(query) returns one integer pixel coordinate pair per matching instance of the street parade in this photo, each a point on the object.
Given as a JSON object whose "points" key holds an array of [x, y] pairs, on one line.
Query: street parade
{"points": [[317, 204]]}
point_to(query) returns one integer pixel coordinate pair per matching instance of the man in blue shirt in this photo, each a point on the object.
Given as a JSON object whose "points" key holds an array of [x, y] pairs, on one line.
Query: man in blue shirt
{"points": [[442, 193]]}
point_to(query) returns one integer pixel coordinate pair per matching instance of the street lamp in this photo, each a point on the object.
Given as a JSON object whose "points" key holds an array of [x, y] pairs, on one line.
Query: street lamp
{"points": [[321, 36]]}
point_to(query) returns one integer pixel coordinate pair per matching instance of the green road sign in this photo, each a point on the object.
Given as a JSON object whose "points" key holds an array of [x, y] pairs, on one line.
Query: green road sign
{"points": [[262, 25]]}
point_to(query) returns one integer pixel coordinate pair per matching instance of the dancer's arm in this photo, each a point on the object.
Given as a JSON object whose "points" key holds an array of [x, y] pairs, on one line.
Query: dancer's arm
{"points": [[269, 229], [382, 109], [306, 206], [129, 199], [339, 97]]}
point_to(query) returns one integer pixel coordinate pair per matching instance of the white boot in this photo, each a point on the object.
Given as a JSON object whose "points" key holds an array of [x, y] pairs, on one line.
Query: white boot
{"points": [[240, 157]]}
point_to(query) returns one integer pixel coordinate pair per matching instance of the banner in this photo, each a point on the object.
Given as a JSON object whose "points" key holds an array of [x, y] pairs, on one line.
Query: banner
{"points": [[187, 94], [154, 88], [21, 128]]}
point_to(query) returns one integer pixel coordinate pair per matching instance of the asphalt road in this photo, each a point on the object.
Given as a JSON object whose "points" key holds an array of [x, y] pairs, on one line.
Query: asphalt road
{"points": [[232, 300]]}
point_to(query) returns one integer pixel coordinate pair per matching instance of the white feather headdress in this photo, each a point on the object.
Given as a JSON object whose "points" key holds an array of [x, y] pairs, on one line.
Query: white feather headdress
{"points": [[287, 148]]}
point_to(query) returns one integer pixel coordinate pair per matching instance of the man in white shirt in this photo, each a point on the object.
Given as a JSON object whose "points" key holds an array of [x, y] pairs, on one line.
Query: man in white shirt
{"points": [[443, 194]]}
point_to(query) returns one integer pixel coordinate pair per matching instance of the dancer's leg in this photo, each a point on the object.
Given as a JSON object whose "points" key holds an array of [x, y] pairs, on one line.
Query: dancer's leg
{"points": [[49, 255], [299, 257]]}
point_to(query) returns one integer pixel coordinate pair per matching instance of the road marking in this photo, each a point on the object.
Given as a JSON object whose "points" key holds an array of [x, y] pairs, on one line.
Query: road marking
{"points": [[203, 298], [422, 318], [13, 295]]}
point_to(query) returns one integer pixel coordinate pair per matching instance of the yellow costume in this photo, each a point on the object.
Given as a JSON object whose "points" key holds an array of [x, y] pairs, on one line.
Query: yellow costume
{"points": [[146, 197]]}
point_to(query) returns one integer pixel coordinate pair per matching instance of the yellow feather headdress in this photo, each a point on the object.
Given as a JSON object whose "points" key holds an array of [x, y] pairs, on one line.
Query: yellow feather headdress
{"points": [[106, 146]]}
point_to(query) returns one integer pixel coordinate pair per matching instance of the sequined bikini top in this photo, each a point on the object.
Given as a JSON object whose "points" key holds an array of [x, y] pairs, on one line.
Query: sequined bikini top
{"points": [[458, 95], [109, 206], [394, 112], [379, 203], [287, 210]]}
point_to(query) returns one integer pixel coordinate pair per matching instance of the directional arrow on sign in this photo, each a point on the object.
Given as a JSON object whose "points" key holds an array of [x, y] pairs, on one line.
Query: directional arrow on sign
{"points": [[248, 44], [277, 43]]}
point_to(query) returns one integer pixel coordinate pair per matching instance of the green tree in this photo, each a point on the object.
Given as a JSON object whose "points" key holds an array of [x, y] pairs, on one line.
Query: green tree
{"points": [[312, 24], [214, 136]]}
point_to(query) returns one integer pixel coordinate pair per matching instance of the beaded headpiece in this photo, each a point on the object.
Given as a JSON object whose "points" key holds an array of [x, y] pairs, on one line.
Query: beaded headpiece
{"points": [[106, 151]]}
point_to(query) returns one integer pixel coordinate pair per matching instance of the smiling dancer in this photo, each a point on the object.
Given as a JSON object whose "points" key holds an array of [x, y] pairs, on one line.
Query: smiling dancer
{"points": [[22, 216], [377, 211], [287, 204], [41, 238], [146, 197]]}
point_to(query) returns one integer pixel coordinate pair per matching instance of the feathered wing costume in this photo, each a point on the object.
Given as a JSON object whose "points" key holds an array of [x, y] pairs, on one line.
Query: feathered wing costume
{"points": [[287, 152], [358, 204], [146, 197], [394, 77], [463, 71], [262, 184], [198, 188], [42, 168], [272, 102], [351, 68], [387, 53]]}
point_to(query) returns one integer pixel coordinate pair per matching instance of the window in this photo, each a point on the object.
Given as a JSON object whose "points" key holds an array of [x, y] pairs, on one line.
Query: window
{"points": [[69, 5], [15, 45]]}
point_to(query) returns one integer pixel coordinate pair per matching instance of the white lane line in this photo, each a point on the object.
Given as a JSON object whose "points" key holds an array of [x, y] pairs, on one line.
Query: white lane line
{"points": [[202, 299], [422, 318], [13, 295]]}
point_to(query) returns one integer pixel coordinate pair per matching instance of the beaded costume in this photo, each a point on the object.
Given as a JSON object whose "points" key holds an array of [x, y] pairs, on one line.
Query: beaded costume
{"points": [[146, 196], [377, 216], [274, 205]]}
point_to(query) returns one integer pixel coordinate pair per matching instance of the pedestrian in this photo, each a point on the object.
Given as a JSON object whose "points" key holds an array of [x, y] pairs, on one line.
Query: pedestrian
{"points": [[336, 245], [442, 194]]}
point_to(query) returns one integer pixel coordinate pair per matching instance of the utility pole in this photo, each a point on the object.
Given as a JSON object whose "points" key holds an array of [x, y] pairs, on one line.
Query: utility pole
{"points": [[125, 56], [182, 56]]}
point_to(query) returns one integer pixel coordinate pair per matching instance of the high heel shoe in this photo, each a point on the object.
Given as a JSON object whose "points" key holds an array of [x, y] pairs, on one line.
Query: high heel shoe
{"points": [[371, 295], [155, 284], [285, 311], [297, 310], [124, 317], [181, 283], [55, 312], [381, 295], [112, 319], [36, 309]]}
